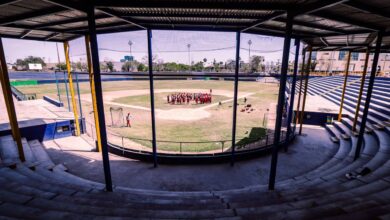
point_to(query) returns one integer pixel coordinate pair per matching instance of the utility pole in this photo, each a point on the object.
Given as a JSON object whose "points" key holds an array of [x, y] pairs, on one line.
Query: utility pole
{"points": [[189, 56]]}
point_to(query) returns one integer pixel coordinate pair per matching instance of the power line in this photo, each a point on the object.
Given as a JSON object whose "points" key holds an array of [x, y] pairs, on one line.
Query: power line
{"points": [[185, 51]]}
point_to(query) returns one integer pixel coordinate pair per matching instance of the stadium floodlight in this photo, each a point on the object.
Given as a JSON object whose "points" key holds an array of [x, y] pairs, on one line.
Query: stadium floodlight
{"points": [[130, 43], [249, 45], [189, 56]]}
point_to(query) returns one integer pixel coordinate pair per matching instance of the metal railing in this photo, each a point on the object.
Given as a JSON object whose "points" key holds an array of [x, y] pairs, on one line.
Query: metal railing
{"points": [[186, 147], [20, 96]]}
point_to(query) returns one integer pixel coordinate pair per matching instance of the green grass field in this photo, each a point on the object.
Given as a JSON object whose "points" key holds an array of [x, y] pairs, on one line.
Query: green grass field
{"points": [[169, 133]]}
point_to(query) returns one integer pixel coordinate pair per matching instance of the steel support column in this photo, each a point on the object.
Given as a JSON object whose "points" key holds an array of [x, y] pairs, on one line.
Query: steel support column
{"points": [[236, 71], [281, 98], [368, 95], [71, 88], [93, 93], [66, 90], [292, 90], [151, 86], [361, 90], [300, 87], [99, 96], [58, 87], [82, 127], [9, 102], [344, 86], [302, 113]]}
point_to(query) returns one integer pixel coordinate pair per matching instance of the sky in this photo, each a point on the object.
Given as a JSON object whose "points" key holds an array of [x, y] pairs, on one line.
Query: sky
{"points": [[168, 46]]}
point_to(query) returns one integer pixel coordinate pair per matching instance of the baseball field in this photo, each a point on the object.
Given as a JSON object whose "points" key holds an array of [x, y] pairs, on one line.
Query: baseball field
{"points": [[188, 127]]}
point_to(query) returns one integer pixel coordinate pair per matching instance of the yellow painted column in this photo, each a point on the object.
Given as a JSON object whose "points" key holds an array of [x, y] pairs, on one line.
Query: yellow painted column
{"points": [[71, 88], [93, 94], [305, 92], [361, 90], [344, 86], [9, 102]]}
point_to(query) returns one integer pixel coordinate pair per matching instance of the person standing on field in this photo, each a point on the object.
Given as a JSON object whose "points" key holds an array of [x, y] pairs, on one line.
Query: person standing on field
{"points": [[128, 118]]}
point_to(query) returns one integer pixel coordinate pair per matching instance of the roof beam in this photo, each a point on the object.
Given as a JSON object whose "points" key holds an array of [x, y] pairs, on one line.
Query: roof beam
{"points": [[348, 33], [26, 33], [371, 38], [263, 20], [67, 21], [31, 15], [239, 5], [8, 2], [344, 19], [52, 36], [27, 27], [84, 29], [309, 8], [362, 6], [115, 14], [26, 38], [195, 23], [190, 15], [317, 6], [324, 41], [314, 25], [68, 4]]}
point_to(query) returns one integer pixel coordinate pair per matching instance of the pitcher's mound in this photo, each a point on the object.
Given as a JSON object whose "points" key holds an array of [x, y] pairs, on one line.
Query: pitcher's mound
{"points": [[183, 114]]}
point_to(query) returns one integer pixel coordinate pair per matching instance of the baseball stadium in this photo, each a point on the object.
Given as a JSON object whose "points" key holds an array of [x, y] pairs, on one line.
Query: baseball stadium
{"points": [[189, 109]]}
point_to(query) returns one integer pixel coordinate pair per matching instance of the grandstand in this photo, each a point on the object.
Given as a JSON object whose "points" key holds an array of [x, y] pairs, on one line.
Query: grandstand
{"points": [[348, 178], [330, 88], [48, 191]]}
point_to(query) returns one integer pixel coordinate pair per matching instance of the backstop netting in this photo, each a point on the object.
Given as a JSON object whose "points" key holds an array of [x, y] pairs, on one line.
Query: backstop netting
{"points": [[117, 119]]}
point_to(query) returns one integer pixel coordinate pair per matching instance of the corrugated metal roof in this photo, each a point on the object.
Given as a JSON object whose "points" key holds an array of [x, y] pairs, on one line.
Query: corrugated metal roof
{"points": [[324, 23]]}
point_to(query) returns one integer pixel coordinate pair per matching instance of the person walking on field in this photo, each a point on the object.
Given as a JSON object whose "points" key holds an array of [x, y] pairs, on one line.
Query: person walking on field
{"points": [[128, 118]]}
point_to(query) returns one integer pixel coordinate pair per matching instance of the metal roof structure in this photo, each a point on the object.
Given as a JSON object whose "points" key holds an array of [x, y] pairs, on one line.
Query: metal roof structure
{"points": [[324, 24]]}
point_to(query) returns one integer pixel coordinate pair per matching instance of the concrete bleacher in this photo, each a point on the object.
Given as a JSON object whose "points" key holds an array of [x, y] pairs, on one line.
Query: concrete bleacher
{"points": [[41, 189], [330, 88], [45, 190]]}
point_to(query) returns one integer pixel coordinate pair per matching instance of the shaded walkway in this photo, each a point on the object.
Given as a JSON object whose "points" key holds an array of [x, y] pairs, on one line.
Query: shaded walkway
{"points": [[308, 152]]}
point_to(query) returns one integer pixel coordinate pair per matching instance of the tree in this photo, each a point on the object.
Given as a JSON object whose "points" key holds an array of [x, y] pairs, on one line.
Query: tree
{"points": [[141, 67], [103, 67], [79, 66], [110, 66], [127, 66], [230, 64], [61, 66], [30, 59], [256, 63], [198, 66]]}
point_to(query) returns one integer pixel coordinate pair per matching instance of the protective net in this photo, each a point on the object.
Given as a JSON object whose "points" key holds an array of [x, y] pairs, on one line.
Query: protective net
{"points": [[117, 119]]}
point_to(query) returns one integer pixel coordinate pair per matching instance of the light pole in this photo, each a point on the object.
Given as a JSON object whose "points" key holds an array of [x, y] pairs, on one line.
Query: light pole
{"points": [[130, 44], [189, 56], [249, 54]]}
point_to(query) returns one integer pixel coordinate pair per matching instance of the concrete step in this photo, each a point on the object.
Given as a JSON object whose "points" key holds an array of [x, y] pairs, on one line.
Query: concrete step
{"points": [[8, 151], [126, 212], [41, 155], [28, 181]]}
